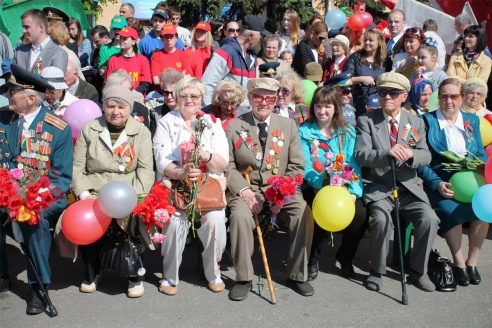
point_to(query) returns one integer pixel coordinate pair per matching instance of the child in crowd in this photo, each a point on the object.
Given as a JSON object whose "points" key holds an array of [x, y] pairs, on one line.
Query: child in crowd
{"points": [[428, 69], [287, 56]]}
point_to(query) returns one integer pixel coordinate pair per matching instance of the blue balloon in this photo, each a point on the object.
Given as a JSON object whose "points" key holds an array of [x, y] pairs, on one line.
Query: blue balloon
{"points": [[335, 19], [481, 204]]}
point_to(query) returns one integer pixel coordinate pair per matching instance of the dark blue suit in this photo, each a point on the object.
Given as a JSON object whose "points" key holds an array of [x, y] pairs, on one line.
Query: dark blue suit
{"points": [[450, 211], [50, 129]]}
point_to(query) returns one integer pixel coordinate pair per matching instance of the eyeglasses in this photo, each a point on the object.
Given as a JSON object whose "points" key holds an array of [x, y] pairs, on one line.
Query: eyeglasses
{"points": [[413, 30], [471, 93], [270, 100], [51, 92], [226, 104], [233, 30], [452, 97], [166, 93], [284, 91], [321, 38], [393, 93], [186, 97], [346, 91]]}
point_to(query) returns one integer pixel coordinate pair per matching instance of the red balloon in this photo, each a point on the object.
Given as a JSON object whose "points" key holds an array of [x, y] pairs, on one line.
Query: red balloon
{"points": [[488, 151], [367, 18], [488, 169], [355, 22], [84, 222]]}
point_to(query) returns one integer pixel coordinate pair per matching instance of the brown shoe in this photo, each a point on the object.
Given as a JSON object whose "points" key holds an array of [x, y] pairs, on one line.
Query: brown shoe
{"points": [[216, 288], [168, 290]]}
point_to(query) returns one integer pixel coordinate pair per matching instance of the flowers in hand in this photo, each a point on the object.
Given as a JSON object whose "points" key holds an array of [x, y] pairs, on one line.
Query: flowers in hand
{"points": [[336, 171], [281, 190]]}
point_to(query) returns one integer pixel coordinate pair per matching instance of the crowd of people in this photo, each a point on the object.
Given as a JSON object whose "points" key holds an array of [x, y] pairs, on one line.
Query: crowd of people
{"points": [[370, 107]]}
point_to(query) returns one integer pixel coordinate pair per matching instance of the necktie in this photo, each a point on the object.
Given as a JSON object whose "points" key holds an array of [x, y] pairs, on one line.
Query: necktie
{"points": [[263, 134], [393, 132], [20, 129], [390, 45]]}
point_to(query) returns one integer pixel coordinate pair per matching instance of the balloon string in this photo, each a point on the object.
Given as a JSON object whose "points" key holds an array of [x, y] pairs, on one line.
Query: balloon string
{"points": [[332, 242]]}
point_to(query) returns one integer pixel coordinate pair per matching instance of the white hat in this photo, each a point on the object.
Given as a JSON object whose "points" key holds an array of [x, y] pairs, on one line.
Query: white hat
{"points": [[55, 77], [340, 38]]}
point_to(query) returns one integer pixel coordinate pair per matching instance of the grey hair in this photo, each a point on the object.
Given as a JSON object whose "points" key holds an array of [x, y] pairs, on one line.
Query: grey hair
{"points": [[273, 37], [117, 77], [170, 75], [463, 18], [39, 95], [473, 86], [246, 32], [75, 64]]}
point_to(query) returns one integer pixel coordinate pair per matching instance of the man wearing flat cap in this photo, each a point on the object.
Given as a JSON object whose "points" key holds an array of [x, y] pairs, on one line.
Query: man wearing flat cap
{"points": [[268, 145], [383, 135], [38, 142], [235, 60], [41, 51]]}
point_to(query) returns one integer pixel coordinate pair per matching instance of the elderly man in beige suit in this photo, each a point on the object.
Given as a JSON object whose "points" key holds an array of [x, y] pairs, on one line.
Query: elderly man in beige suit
{"points": [[252, 137]]}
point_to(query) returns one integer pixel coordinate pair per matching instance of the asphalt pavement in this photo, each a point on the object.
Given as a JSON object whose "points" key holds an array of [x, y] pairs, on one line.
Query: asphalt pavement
{"points": [[337, 302]]}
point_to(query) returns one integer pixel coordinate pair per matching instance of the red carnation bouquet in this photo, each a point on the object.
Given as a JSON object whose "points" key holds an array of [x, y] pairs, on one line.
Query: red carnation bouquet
{"points": [[280, 191], [24, 197], [154, 210]]}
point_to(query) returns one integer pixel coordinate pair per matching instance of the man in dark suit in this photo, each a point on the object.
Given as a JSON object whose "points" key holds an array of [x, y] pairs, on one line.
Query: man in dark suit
{"points": [[386, 134], [273, 148], [396, 21], [41, 51], [78, 87], [38, 142]]}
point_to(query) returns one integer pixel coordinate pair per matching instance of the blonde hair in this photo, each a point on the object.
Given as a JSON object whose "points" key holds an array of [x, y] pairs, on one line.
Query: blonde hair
{"points": [[317, 27], [209, 41], [58, 32], [188, 82], [230, 89], [294, 26], [295, 81]]}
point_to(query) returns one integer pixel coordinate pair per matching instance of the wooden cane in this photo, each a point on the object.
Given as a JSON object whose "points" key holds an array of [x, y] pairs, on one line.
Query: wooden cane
{"points": [[246, 173]]}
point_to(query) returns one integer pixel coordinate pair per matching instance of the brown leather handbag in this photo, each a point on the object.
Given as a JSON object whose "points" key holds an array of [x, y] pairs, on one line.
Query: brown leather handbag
{"points": [[211, 193]]}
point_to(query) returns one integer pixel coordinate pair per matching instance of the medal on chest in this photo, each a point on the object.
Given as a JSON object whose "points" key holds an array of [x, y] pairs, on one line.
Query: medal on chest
{"points": [[124, 155]]}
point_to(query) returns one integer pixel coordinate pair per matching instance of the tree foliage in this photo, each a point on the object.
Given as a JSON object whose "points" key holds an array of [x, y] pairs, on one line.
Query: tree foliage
{"points": [[92, 7]]}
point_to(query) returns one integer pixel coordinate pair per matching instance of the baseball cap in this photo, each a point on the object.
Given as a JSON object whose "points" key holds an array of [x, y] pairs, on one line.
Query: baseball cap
{"points": [[118, 22], [168, 29], [160, 12], [203, 26], [128, 31], [254, 23]]}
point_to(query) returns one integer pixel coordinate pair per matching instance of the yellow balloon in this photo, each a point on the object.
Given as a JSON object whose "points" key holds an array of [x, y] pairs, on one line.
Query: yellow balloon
{"points": [[333, 208], [485, 131]]}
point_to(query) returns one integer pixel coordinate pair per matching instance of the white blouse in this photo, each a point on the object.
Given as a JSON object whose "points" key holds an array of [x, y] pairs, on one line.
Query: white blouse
{"points": [[454, 133]]}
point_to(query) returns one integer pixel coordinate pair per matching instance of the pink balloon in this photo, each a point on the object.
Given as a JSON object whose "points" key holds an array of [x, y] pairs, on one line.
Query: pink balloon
{"points": [[488, 151], [367, 18], [79, 113], [488, 169], [84, 222], [355, 22]]}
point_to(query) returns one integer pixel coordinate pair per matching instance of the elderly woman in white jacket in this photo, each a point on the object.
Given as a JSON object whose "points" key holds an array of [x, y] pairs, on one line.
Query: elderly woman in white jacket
{"points": [[173, 143]]}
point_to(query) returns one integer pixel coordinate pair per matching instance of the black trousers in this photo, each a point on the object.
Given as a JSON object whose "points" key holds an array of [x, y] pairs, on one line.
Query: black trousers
{"points": [[351, 236]]}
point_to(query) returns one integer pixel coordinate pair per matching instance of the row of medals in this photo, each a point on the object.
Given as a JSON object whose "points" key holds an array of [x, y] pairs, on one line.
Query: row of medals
{"points": [[124, 163], [276, 163], [40, 152]]}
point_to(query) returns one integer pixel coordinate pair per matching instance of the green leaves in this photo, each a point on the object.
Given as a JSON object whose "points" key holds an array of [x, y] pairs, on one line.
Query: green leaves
{"points": [[459, 163]]}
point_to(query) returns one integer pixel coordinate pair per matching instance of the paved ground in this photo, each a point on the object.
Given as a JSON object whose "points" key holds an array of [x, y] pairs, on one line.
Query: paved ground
{"points": [[337, 302]]}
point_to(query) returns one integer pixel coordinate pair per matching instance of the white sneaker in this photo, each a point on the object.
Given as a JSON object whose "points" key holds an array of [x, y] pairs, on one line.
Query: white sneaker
{"points": [[85, 287], [135, 289]]}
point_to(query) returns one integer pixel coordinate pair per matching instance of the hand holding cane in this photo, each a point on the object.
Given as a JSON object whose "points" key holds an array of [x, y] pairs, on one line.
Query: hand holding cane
{"points": [[404, 297], [246, 173]]}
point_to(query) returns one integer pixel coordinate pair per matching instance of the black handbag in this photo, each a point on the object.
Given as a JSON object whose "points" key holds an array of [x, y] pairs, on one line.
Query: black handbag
{"points": [[121, 252], [441, 272]]}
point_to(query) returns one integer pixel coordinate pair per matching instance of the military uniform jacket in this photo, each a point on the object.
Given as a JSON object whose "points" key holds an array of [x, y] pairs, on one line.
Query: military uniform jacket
{"points": [[46, 148]]}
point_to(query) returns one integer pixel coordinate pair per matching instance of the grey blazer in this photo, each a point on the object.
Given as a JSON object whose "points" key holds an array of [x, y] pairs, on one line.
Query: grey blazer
{"points": [[371, 152], [51, 55]]}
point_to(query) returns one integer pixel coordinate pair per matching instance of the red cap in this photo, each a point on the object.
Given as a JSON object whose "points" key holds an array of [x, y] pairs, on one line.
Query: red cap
{"points": [[168, 29], [203, 26], [128, 31]]}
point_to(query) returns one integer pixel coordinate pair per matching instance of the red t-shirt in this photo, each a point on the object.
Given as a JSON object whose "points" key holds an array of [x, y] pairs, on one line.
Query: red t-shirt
{"points": [[137, 66], [199, 60], [161, 60]]}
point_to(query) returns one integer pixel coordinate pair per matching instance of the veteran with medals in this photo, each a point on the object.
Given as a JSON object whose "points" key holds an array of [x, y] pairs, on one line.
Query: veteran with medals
{"points": [[112, 147], [38, 142], [269, 144]]}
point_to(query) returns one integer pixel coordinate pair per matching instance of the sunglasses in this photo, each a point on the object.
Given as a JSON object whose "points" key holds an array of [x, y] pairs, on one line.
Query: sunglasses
{"points": [[346, 91], [321, 38], [284, 91], [452, 97], [232, 30], [226, 104], [270, 100], [413, 30], [166, 93], [393, 93]]}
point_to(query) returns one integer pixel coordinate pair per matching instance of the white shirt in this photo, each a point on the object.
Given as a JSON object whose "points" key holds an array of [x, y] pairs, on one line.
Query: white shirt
{"points": [[483, 111], [388, 121], [454, 133], [36, 51], [73, 89], [315, 53], [184, 34], [285, 110], [29, 118]]}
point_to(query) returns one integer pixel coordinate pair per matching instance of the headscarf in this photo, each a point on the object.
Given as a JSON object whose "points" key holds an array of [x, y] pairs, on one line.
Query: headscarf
{"points": [[416, 92]]}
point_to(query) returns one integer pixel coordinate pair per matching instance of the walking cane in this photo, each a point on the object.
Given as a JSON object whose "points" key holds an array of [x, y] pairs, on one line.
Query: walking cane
{"points": [[42, 291], [246, 173], [404, 297]]}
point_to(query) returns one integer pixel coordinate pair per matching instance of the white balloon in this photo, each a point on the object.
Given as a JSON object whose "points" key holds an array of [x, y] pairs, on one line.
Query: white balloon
{"points": [[117, 199]]}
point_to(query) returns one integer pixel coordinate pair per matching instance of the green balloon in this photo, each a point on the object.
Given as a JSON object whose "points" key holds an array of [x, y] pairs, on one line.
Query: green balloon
{"points": [[465, 184], [433, 102], [309, 88]]}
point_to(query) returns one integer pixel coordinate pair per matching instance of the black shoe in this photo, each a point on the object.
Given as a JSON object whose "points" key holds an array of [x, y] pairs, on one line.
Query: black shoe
{"points": [[313, 271], [240, 291], [475, 278], [462, 276], [347, 270], [4, 284], [303, 288], [34, 303]]}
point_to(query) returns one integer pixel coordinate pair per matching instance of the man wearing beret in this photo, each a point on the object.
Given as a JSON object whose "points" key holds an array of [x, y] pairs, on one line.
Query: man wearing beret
{"points": [[386, 134], [41, 51], [269, 145], [38, 142]]}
